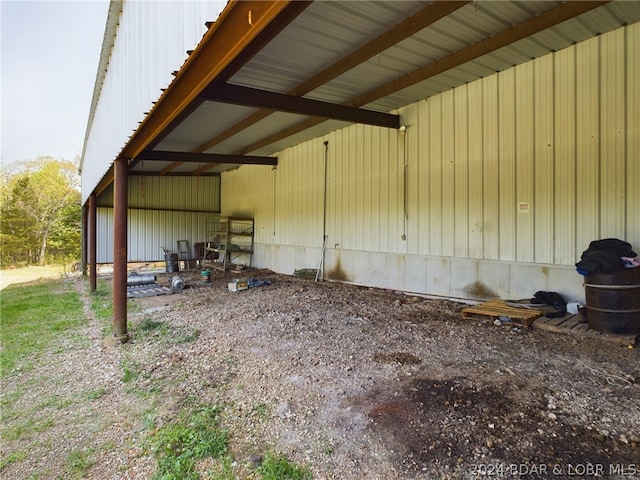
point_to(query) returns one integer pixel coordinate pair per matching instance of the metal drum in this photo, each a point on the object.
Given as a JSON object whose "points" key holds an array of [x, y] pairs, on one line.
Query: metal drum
{"points": [[171, 262], [613, 301]]}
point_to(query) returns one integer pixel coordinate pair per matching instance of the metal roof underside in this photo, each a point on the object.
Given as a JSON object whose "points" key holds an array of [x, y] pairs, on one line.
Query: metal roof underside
{"points": [[318, 66]]}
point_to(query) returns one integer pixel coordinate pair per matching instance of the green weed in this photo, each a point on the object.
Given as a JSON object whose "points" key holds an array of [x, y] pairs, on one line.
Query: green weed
{"points": [[149, 325], [101, 301], [79, 462], [223, 470], [92, 395], [177, 446], [278, 467], [13, 457], [261, 410]]}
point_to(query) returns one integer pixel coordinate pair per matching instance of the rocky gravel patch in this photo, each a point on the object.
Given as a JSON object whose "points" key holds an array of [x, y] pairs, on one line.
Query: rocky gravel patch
{"points": [[361, 383]]}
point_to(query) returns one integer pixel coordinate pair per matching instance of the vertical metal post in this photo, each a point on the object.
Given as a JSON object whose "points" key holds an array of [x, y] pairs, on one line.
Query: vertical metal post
{"points": [[121, 187], [92, 242]]}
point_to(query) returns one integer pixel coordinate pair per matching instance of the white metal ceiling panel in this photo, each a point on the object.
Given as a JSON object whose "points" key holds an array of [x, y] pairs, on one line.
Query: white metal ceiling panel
{"points": [[208, 120]]}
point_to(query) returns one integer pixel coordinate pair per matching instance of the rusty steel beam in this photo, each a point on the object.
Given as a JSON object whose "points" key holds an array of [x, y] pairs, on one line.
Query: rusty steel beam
{"points": [[215, 158], [253, 97], [121, 187]]}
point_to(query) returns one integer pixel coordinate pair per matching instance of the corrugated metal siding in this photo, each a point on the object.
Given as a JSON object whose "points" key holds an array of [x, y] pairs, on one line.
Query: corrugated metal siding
{"points": [[152, 41], [633, 137], [527, 165], [148, 231], [162, 210], [169, 193]]}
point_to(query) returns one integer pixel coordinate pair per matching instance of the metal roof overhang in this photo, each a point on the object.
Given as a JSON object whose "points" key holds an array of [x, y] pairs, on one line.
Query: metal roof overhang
{"points": [[271, 74]]}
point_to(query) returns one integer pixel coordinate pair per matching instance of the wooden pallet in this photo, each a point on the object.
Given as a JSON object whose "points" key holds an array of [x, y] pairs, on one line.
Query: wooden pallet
{"points": [[499, 310], [573, 325]]}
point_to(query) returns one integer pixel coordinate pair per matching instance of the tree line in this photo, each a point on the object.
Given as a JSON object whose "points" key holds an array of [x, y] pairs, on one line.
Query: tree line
{"points": [[40, 213]]}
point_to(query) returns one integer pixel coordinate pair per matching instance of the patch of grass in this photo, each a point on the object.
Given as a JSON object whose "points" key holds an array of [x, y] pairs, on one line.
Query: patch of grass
{"points": [[54, 401], [13, 457], [149, 325], [179, 445], [261, 410], [186, 335], [129, 373], [78, 462], [278, 467], [102, 305], [32, 315], [223, 470], [30, 426], [170, 334], [7, 403], [92, 395]]}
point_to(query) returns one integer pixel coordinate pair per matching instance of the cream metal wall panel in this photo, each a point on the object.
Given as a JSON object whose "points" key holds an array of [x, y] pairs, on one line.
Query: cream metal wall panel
{"points": [[169, 193], [474, 142], [506, 137], [162, 210], [151, 41], [587, 120], [148, 231], [612, 146], [544, 147], [524, 161], [490, 178], [633, 135], [461, 161], [564, 172]]}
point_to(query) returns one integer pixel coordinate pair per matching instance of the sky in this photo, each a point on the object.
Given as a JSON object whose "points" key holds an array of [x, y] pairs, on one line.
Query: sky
{"points": [[49, 58]]}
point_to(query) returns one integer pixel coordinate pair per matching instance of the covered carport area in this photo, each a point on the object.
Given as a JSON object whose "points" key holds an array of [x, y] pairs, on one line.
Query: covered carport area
{"points": [[270, 75]]}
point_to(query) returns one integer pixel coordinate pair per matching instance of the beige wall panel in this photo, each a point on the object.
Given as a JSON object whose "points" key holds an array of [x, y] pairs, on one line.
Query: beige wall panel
{"points": [[474, 143], [588, 140], [371, 199], [396, 177], [612, 147], [413, 230], [448, 174], [361, 175], [431, 180], [148, 231], [507, 138], [633, 136], [564, 171], [543, 124], [490, 170], [461, 168], [175, 193], [524, 161]]}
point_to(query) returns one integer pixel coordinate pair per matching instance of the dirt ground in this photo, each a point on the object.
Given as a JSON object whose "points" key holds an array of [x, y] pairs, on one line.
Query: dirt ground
{"points": [[360, 383]]}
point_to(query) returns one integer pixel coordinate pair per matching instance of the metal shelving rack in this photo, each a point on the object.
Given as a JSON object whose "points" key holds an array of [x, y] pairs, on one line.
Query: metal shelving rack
{"points": [[231, 238]]}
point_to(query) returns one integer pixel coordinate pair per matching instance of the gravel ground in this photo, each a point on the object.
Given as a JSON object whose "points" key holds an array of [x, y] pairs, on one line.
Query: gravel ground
{"points": [[351, 382]]}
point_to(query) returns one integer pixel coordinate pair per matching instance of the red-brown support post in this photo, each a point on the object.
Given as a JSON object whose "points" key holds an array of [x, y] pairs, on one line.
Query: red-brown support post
{"points": [[92, 242], [121, 187], [84, 229]]}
